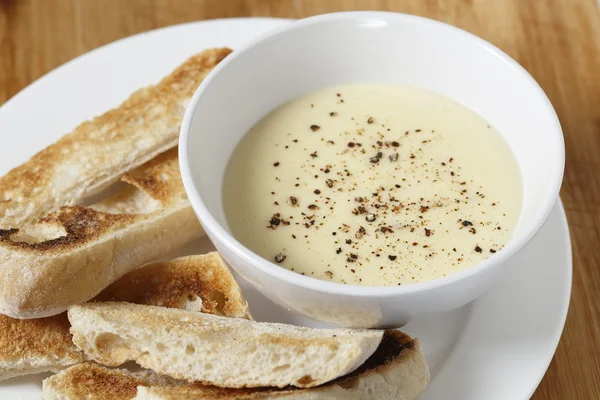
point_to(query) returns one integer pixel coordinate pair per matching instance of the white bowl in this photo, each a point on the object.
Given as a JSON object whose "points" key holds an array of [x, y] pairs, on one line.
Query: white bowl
{"points": [[368, 47]]}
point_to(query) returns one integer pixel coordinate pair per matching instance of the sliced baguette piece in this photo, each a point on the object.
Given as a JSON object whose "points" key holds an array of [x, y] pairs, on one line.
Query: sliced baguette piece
{"points": [[225, 352], [200, 283], [72, 255], [396, 371], [99, 151]]}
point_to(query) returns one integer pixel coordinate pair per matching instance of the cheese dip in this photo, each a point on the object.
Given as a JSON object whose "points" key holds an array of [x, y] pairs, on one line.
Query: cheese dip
{"points": [[373, 184]]}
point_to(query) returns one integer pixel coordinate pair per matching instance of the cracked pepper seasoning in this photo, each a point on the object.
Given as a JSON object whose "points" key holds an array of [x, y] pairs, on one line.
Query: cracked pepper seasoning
{"points": [[371, 184]]}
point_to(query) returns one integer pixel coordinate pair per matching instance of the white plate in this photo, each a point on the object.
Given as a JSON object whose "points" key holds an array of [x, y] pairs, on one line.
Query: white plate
{"points": [[498, 347]]}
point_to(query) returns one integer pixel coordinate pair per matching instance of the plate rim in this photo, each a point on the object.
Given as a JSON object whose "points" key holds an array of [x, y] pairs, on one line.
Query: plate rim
{"points": [[568, 293], [567, 267]]}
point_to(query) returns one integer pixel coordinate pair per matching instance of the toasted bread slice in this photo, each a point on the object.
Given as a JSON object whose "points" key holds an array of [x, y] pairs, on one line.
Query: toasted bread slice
{"points": [[72, 255], [195, 283], [30, 346], [99, 151], [225, 352], [90, 381], [396, 371]]}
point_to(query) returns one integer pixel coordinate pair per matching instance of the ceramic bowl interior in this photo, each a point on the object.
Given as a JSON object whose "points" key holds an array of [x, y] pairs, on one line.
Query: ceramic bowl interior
{"points": [[382, 48]]}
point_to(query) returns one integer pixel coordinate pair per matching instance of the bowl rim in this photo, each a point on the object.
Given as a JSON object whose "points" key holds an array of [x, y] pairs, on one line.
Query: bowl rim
{"points": [[221, 235]]}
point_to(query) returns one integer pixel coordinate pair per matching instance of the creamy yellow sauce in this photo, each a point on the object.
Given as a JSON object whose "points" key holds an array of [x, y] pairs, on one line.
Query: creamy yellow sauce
{"points": [[373, 185]]}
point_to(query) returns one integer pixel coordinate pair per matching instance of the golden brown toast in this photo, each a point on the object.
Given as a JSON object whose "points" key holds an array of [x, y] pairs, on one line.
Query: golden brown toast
{"points": [[396, 370], [225, 352], [200, 283], [99, 151], [194, 283], [91, 381], [30, 346]]}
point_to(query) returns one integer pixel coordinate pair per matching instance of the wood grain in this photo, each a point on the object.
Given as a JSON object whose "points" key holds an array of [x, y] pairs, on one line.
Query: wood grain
{"points": [[558, 41]]}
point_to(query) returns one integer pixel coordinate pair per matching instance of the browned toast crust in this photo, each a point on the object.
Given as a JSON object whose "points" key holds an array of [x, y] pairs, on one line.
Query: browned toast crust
{"points": [[93, 381], [117, 386], [81, 225], [177, 283], [24, 342], [158, 178]]}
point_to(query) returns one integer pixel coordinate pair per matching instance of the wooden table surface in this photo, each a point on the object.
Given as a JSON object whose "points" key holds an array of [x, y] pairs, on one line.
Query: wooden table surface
{"points": [[557, 41]]}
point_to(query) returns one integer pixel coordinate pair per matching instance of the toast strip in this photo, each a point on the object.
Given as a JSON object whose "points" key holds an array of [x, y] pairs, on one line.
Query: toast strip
{"points": [[72, 255], [30, 346], [200, 283], [396, 371], [94, 382], [99, 151], [225, 352]]}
